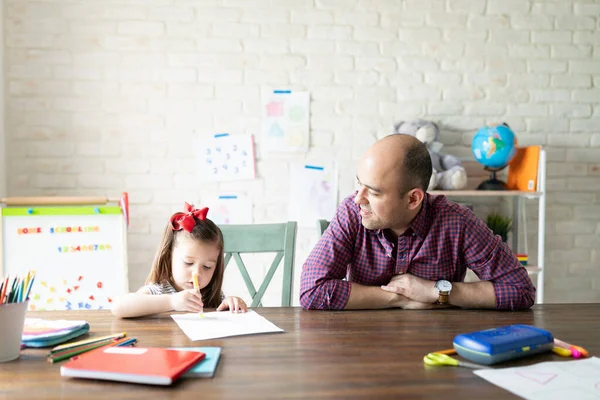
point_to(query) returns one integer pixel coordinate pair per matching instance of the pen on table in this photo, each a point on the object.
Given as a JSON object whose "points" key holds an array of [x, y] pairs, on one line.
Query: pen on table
{"points": [[52, 358], [87, 341], [63, 354], [197, 287], [562, 352], [448, 352], [82, 346], [576, 351]]}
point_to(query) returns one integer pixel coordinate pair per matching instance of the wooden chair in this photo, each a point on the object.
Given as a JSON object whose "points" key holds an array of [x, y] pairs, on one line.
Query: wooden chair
{"points": [[263, 238], [322, 224]]}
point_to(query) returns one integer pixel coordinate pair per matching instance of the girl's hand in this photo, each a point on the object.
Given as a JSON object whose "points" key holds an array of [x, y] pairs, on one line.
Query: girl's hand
{"points": [[235, 304], [187, 300]]}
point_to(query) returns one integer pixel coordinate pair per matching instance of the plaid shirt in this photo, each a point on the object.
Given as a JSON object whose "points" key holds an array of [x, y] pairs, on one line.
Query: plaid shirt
{"points": [[440, 243]]}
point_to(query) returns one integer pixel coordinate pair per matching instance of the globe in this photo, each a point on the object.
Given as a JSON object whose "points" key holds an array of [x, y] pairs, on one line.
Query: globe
{"points": [[494, 146]]}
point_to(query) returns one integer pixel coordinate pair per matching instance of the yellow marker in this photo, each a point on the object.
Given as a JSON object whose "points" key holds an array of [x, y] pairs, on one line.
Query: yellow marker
{"points": [[197, 287], [562, 352]]}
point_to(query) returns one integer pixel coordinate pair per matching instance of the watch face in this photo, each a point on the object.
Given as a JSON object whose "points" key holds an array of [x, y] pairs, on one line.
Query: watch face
{"points": [[443, 286]]}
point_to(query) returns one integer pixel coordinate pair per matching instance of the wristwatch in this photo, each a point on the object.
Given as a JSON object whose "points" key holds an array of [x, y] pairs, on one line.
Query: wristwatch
{"points": [[444, 288]]}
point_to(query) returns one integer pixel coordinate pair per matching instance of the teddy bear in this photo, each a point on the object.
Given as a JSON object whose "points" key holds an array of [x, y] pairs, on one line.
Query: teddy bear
{"points": [[448, 172]]}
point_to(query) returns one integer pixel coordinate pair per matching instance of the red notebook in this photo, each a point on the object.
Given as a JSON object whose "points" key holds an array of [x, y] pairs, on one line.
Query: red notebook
{"points": [[153, 366]]}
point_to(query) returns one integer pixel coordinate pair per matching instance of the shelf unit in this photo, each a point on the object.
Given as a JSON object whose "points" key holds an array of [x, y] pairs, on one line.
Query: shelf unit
{"points": [[518, 198]]}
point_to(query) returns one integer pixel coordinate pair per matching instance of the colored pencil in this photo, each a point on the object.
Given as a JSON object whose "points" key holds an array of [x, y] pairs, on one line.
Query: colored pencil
{"points": [[75, 352], [16, 289], [87, 341]]}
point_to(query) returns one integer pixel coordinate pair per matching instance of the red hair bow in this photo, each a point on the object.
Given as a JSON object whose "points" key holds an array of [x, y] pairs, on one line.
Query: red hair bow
{"points": [[185, 220]]}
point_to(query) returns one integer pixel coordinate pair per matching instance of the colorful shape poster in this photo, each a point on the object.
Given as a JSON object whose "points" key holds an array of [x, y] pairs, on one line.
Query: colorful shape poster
{"points": [[225, 157], [285, 121], [313, 193]]}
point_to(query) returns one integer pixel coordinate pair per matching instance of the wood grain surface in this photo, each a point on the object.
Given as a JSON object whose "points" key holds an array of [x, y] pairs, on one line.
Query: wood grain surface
{"points": [[344, 355]]}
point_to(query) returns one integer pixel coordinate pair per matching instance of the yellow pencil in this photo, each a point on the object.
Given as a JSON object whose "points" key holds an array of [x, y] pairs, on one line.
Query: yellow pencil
{"points": [[197, 287], [88, 341], [26, 284]]}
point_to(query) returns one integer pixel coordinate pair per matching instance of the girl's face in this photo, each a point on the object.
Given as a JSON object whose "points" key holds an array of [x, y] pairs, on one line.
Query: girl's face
{"points": [[191, 255]]}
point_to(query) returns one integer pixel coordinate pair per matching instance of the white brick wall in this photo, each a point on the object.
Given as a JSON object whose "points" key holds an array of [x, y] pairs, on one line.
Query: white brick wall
{"points": [[100, 97]]}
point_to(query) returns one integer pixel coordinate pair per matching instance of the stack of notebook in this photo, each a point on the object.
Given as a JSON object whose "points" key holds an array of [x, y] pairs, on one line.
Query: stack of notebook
{"points": [[148, 365], [205, 368], [39, 332]]}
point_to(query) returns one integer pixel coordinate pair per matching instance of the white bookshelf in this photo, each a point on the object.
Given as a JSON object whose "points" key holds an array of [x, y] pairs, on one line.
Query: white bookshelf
{"points": [[518, 199]]}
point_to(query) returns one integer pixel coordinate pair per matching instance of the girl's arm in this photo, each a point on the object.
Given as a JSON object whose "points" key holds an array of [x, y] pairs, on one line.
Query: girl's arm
{"points": [[141, 303]]}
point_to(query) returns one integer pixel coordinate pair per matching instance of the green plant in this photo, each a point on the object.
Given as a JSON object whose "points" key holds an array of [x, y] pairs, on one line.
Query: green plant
{"points": [[499, 224]]}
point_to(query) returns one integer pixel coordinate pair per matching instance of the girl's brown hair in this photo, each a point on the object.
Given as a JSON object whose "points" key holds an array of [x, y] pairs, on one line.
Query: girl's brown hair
{"points": [[205, 231]]}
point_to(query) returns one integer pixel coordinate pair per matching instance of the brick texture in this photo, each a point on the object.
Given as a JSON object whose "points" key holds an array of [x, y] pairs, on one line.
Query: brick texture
{"points": [[101, 98]]}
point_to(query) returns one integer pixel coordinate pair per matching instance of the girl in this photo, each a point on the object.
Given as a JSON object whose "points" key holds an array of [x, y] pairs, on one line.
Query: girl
{"points": [[191, 243]]}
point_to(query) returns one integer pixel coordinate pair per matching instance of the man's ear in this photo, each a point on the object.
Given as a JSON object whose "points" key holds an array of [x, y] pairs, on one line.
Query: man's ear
{"points": [[415, 198]]}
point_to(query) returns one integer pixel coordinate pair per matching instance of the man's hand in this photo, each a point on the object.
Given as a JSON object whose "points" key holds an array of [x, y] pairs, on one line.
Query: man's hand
{"points": [[407, 304], [413, 288]]}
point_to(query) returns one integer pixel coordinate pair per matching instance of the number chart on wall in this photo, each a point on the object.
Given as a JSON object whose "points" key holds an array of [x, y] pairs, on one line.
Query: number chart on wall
{"points": [[79, 254]]}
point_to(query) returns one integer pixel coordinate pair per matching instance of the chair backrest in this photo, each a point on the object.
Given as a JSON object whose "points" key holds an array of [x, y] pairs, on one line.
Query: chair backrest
{"points": [[263, 238], [322, 224]]}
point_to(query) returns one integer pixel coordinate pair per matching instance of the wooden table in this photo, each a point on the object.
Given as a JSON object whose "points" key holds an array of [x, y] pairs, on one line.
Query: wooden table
{"points": [[349, 354]]}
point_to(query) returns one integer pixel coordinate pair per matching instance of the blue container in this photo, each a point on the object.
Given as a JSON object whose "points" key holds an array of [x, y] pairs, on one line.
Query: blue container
{"points": [[505, 343]]}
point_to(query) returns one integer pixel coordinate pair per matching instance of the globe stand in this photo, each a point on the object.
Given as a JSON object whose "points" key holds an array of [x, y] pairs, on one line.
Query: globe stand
{"points": [[493, 183]]}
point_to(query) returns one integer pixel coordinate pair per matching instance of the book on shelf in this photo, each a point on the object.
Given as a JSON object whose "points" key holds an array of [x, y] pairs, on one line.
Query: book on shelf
{"points": [[523, 171]]}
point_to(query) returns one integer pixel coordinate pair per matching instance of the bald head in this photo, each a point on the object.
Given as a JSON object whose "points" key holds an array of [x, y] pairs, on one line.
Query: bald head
{"points": [[402, 158]]}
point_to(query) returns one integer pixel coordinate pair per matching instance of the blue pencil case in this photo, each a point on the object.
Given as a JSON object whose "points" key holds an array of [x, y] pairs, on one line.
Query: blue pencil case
{"points": [[505, 343]]}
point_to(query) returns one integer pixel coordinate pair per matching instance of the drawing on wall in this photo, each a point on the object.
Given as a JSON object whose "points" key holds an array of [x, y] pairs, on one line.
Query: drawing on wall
{"points": [[285, 120], [225, 157], [313, 193], [549, 380], [230, 209]]}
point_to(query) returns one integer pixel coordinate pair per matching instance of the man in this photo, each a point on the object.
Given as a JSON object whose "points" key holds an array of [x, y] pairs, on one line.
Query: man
{"points": [[399, 247]]}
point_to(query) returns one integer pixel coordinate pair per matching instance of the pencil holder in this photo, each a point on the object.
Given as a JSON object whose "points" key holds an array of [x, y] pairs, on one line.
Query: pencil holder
{"points": [[12, 320]]}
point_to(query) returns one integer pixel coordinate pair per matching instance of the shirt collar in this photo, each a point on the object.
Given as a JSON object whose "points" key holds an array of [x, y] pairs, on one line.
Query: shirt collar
{"points": [[422, 221]]}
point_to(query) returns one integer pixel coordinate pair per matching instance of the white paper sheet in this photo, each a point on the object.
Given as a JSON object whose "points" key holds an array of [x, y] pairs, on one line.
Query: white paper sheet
{"points": [[223, 324], [578, 379], [230, 209], [313, 193], [225, 157]]}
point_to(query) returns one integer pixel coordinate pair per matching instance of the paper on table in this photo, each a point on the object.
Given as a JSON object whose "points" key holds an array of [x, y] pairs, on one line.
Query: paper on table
{"points": [[223, 324], [549, 380]]}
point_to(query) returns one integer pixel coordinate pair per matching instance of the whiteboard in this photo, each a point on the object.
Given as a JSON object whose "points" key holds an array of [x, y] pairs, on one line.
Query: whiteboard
{"points": [[79, 254]]}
